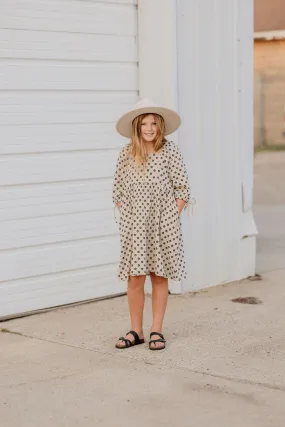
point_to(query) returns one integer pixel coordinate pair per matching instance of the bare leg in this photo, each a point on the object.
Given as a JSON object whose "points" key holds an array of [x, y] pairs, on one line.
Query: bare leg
{"points": [[159, 302], [136, 299]]}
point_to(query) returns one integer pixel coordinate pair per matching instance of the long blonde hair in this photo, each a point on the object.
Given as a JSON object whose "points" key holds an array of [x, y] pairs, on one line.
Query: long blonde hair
{"points": [[137, 145]]}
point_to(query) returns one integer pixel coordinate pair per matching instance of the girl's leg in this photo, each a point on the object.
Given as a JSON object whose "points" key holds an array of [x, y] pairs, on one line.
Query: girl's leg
{"points": [[136, 299], [159, 302]]}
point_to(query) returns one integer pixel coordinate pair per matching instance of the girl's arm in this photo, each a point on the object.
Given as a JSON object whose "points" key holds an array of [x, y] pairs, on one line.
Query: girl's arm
{"points": [[118, 182], [181, 204], [179, 178]]}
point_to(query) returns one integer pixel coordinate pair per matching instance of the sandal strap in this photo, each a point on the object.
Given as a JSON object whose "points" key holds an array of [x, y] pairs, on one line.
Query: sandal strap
{"points": [[126, 341], [157, 333], [154, 341], [136, 337]]}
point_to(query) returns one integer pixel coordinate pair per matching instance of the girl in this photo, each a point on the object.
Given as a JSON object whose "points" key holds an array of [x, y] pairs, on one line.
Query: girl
{"points": [[150, 189]]}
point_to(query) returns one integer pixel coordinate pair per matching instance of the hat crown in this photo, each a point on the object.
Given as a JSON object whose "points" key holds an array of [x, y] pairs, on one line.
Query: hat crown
{"points": [[145, 103]]}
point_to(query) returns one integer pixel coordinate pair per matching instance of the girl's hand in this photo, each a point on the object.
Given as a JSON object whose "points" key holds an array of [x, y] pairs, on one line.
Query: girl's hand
{"points": [[180, 205], [119, 205]]}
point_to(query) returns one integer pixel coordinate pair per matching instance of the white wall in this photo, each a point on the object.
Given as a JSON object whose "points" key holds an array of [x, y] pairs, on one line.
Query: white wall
{"points": [[203, 66], [68, 70]]}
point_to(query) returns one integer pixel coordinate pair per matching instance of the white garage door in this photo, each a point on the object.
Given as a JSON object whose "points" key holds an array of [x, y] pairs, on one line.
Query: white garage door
{"points": [[68, 69]]}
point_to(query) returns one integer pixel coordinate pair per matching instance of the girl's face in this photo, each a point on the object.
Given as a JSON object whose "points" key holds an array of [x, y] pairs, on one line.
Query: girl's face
{"points": [[149, 128]]}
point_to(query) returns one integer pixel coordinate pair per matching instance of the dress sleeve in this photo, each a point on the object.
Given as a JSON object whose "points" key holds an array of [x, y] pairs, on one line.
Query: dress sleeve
{"points": [[179, 175], [118, 181]]}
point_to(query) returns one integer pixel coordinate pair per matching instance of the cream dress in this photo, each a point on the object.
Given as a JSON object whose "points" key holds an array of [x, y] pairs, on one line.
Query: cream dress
{"points": [[150, 228]]}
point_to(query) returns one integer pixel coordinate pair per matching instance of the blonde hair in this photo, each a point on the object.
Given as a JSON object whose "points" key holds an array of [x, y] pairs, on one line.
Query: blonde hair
{"points": [[137, 145]]}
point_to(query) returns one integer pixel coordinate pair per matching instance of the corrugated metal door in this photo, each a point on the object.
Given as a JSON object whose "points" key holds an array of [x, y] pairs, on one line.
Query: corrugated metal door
{"points": [[215, 102], [68, 69]]}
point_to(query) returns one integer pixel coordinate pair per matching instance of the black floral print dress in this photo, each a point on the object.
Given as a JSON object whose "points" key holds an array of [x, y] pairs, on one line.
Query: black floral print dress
{"points": [[150, 228]]}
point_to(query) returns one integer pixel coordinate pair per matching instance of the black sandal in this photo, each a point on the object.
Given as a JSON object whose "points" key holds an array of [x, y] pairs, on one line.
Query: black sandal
{"points": [[129, 343], [162, 339]]}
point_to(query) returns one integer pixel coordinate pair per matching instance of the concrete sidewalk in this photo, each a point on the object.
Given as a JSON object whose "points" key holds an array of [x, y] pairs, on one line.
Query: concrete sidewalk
{"points": [[224, 364]]}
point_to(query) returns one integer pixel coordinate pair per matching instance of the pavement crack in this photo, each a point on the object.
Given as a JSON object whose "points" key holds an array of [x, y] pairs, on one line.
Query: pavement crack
{"points": [[41, 380], [7, 331]]}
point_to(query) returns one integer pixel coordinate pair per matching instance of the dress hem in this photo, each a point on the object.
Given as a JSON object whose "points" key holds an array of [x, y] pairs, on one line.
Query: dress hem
{"points": [[175, 279]]}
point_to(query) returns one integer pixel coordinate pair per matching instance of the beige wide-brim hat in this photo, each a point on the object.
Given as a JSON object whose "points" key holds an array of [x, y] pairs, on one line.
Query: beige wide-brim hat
{"points": [[146, 106]]}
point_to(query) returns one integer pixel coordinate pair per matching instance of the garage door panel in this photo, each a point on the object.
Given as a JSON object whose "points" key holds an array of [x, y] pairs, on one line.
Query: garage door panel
{"points": [[67, 76], [67, 46], [32, 294], [17, 289], [68, 70], [60, 228], [28, 169], [60, 137], [21, 202], [58, 112], [53, 258], [126, 2], [73, 96], [82, 16]]}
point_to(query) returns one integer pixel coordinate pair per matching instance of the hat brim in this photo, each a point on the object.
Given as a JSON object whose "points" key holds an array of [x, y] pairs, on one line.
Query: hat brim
{"points": [[171, 119]]}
